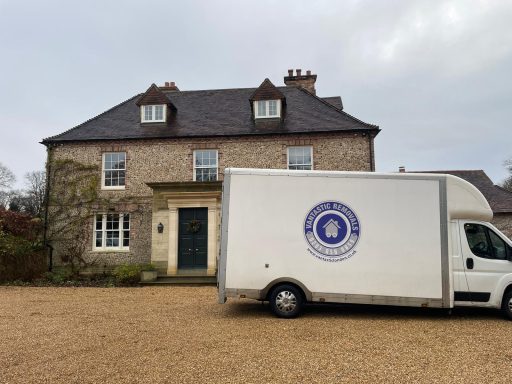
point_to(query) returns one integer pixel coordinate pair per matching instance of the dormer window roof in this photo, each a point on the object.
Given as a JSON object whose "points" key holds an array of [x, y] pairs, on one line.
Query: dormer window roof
{"points": [[155, 106], [267, 101]]}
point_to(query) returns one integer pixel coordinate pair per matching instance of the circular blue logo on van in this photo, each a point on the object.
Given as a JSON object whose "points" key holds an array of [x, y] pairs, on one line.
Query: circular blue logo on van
{"points": [[332, 231]]}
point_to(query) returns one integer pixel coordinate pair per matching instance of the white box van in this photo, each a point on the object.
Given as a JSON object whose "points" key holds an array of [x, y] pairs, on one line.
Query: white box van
{"points": [[422, 240]]}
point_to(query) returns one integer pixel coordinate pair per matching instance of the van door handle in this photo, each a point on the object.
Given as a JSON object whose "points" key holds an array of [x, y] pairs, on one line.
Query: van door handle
{"points": [[470, 263]]}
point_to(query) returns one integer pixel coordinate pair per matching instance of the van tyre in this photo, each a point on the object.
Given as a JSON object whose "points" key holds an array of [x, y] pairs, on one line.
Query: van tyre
{"points": [[286, 301], [507, 305]]}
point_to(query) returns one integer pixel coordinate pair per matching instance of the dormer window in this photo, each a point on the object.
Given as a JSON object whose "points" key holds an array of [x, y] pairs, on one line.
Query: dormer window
{"points": [[267, 109], [153, 113]]}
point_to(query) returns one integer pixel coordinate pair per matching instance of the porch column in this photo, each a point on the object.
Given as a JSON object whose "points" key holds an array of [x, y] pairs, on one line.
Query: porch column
{"points": [[172, 261]]}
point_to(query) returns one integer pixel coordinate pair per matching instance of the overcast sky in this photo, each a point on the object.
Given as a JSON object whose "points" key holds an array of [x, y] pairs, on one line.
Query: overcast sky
{"points": [[436, 76]]}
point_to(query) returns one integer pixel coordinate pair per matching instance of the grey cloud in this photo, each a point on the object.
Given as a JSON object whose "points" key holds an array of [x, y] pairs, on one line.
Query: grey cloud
{"points": [[435, 75]]}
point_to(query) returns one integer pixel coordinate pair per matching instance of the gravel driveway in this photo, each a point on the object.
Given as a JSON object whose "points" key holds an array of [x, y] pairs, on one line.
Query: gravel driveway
{"points": [[181, 335]]}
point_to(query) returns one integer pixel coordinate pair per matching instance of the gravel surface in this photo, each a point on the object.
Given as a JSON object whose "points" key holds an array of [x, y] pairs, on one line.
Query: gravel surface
{"points": [[181, 335]]}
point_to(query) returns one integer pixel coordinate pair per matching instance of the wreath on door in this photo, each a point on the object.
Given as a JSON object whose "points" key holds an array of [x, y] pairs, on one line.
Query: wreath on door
{"points": [[193, 226]]}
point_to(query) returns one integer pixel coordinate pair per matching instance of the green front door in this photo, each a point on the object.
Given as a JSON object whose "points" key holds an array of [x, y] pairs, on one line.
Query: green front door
{"points": [[193, 238]]}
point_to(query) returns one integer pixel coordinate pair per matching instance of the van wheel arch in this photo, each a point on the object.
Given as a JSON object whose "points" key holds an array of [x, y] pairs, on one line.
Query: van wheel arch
{"points": [[506, 301], [267, 291]]}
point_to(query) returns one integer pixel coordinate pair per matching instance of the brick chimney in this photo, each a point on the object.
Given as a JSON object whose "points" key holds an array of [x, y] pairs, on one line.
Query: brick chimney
{"points": [[401, 169], [169, 86], [306, 81]]}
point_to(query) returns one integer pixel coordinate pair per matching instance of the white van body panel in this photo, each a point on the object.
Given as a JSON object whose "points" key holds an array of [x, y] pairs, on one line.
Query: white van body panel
{"points": [[280, 240], [409, 250]]}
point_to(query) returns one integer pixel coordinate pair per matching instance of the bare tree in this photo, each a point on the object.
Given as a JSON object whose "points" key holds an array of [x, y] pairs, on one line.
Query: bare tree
{"points": [[73, 197], [35, 182], [7, 178], [507, 183]]}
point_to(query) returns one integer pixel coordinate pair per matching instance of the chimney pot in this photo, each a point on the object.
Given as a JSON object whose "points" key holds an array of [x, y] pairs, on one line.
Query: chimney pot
{"points": [[166, 83], [401, 169], [173, 84], [306, 82]]}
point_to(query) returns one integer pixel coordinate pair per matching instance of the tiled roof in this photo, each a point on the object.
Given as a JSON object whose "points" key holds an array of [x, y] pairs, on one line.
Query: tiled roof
{"points": [[224, 112], [267, 91], [499, 199], [153, 96], [334, 101]]}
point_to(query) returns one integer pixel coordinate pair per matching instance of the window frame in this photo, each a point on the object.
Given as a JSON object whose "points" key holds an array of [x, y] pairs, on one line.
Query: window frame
{"points": [[153, 110], [121, 247], [267, 116], [487, 230], [194, 167], [288, 157], [103, 170]]}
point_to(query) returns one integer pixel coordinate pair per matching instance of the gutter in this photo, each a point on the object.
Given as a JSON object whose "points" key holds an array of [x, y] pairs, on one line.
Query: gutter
{"points": [[372, 154], [46, 204]]}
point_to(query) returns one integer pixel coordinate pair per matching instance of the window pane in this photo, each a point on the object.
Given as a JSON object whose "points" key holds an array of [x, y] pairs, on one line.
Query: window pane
{"points": [[114, 169], [307, 156], [300, 158], [477, 240], [99, 222], [207, 158], [498, 245], [126, 221], [116, 231], [148, 112], [98, 238], [272, 108], [159, 112], [300, 167], [199, 158], [201, 174], [205, 165], [262, 110], [112, 238], [212, 174], [206, 174]]}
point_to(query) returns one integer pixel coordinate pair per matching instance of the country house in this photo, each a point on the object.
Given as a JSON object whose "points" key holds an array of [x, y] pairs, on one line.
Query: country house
{"points": [[159, 159]]}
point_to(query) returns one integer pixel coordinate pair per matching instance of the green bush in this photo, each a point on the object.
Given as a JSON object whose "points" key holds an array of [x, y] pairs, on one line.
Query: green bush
{"points": [[59, 276], [127, 274]]}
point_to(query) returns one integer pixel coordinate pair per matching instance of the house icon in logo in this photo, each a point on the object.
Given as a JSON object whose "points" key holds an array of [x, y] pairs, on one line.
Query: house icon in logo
{"points": [[331, 228]]}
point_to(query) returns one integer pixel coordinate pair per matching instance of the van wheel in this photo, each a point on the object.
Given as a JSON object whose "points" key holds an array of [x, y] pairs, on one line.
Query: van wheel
{"points": [[286, 301], [507, 305]]}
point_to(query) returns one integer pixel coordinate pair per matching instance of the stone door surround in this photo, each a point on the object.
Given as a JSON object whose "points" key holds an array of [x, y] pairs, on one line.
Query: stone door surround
{"points": [[179, 200]]}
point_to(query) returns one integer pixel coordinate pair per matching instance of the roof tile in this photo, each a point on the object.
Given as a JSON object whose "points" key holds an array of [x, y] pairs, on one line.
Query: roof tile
{"points": [[208, 113], [499, 199]]}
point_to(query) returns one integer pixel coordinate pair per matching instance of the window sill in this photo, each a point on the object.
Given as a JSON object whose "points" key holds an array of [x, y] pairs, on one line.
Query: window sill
{"points": [[267, 117], [111, 250], [120, 188]]}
